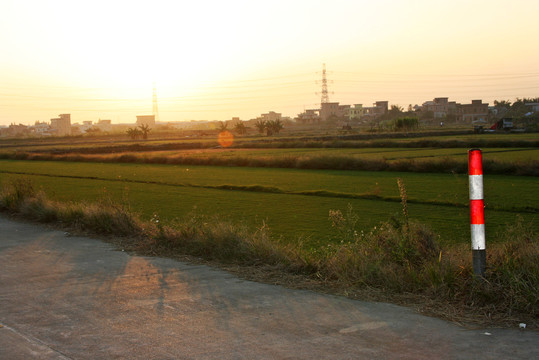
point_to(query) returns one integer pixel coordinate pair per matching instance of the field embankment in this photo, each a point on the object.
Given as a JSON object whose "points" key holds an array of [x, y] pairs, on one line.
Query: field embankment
{"points": [[433, 161]]}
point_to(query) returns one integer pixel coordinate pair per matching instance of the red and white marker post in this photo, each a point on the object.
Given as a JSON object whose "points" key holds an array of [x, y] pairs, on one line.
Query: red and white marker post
{"points": [[477, 211]]}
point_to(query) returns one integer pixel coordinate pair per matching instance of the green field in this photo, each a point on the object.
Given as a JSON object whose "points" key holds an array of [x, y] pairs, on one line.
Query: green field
{"points": [[294, 203]]}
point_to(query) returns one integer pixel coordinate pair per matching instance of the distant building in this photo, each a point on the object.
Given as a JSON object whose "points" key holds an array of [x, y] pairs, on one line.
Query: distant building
{"points": [[14, 130], [61, 126], [271, 116], [328, 110], [309, 117], [40, 128], [379, 108], [341, 112], [104, 125], [477, 111], [356, 112], [440, 107], [333, 109], [146, 120], [534, 107], [86, 125], [344, 111], [235, 121]]}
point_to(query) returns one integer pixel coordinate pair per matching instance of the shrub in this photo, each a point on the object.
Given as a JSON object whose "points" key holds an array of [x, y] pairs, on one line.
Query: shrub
{"points": [[406, 124], [15, 192], [512, 277]]}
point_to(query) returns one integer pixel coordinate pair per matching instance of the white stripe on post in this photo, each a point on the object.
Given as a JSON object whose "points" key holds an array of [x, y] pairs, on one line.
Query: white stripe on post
{"points": [[476, 187], [478, 236]]}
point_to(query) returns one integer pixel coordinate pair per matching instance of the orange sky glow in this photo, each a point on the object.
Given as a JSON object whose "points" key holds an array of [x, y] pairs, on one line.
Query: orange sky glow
{"points": [[214, 60]]}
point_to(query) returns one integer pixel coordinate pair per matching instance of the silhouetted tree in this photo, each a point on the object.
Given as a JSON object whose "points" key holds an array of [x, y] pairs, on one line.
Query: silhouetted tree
{"points": [[273, 127], [222, 126], [395, 111], [260, 126], [144, 130], [502, 104], [240, 128], [134, 133]]}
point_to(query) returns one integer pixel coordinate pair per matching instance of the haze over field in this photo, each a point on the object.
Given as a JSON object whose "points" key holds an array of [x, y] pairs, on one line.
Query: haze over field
{"points": [[218, 60]]}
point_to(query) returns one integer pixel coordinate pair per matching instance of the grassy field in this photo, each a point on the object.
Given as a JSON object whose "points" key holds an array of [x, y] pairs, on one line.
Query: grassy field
{"points": [[293, 203]]}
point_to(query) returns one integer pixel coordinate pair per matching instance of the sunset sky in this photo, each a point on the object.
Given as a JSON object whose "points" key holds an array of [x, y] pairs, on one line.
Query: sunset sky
{"points": [[214, 60]]}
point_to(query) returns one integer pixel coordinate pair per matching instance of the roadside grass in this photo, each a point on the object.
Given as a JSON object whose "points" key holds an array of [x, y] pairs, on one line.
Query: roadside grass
{"points": [[400, 258]]}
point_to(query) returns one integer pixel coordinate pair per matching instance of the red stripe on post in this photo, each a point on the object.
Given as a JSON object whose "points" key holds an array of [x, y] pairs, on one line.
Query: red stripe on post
{"points": [[475, 162], [477, 212]]}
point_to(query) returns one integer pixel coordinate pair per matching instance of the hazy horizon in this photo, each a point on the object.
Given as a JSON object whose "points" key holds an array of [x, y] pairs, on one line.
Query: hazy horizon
{"points": [[214, 60]]}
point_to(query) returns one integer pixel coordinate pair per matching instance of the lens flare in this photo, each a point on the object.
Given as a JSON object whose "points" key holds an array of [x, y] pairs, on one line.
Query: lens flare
{"points": [[225, 138]]}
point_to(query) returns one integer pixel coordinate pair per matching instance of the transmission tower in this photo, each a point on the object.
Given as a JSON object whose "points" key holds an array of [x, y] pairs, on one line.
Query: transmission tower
{"points": [[155, 111], [325, 96]]}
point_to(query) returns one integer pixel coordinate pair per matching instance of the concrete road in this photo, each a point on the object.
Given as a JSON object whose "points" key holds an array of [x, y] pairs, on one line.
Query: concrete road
{"points": [[65, 297]]}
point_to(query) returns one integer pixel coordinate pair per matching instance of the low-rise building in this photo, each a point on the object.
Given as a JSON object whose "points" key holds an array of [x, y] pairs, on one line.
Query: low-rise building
{"points": [[310, 116], [14, 130], [379, 108], [356, 112], [271, 116], [440, 107], [477, 111], [61, 126], [333, 110], [104, 125], [328, 110], [40, 129], [148, 120]]}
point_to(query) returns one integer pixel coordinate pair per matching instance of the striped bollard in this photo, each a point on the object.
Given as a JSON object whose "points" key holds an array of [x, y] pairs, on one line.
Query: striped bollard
{"points": [[477, 211]]}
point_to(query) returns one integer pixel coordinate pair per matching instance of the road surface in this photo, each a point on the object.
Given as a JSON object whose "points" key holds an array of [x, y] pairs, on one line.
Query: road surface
{"points": [[68, 297]]}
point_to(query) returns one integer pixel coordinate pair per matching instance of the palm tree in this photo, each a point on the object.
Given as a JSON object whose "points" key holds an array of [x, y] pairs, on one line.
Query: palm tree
{"points": [[277, 126], [261, 126], [144, 130], [134, 133], [274, 127], [222, 126], [240, 128]]}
